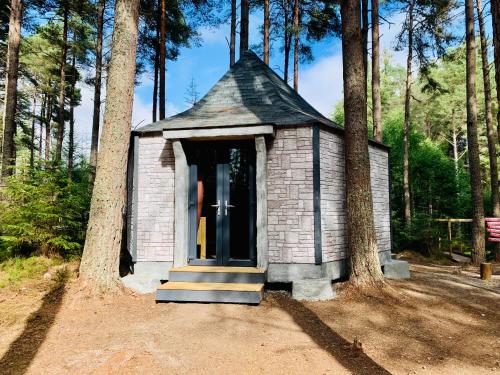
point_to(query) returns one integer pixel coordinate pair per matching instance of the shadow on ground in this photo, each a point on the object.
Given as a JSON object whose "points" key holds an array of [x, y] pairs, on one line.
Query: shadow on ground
{"points": [[353, 359], [23, 350]]}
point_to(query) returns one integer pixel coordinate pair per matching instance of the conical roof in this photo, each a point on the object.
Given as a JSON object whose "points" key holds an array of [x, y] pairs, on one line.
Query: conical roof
{"points": [[250, 93]]}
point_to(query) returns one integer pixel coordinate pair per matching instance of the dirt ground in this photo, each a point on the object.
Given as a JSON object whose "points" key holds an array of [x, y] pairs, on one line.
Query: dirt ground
{"points": [[442, 321]]}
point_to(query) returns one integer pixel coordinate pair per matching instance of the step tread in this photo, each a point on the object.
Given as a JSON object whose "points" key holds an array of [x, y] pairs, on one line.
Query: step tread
{"points": [[237, 287], [218, 269]]}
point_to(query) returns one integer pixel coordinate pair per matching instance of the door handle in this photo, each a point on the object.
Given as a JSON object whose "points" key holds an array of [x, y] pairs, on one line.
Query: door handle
{"points": [[217, 206], [226, 206]]}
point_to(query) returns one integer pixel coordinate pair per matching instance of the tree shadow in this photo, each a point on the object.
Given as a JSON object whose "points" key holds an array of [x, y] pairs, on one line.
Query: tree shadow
{"points": [[353, 359], [23, 350]]}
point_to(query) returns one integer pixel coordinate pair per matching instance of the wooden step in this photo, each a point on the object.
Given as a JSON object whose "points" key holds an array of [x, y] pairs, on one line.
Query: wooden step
{"points": [[176, 291], [218, 274]]}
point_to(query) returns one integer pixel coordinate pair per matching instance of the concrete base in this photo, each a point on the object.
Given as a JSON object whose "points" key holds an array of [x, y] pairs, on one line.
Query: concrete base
{"points": [[313, 290], [141, 284], [153, 270], [397, 269]]}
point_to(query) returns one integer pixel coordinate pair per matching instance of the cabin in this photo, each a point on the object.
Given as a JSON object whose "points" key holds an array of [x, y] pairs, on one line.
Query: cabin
{"points": [[246, 187]]}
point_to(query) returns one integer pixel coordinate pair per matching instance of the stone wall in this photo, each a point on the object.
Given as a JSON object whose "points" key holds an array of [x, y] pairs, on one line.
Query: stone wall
{"points": [[290, 196], [155, 206], [333, 204]]}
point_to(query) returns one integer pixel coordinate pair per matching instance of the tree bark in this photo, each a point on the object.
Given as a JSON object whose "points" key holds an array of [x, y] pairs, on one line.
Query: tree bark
{"points": [[478, 250], [245, 14], [94, 145], [376, 98], [406, 125], [62, 85], [365, 266], [495, 20], [287, 41], [12, 69], [232, 41], [364, 32], [162, 56], [156, 70], [33, 124], [41, 121], [296, 45], [267, 23], [48, 119], [100, 260], [71, 143], [490, 132]]}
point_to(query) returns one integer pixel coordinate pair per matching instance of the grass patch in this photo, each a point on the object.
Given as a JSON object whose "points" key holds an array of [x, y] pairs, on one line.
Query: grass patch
{"points": [[14, 271]]}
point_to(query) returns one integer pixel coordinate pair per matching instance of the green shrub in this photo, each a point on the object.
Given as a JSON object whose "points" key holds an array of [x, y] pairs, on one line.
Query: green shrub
{"points": [[15, 270], [43, 212]]}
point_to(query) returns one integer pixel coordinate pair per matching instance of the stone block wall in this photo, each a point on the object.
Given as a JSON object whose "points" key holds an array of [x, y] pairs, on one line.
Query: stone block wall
{"points": [[333, 203], [155, 206], [290, 196]]}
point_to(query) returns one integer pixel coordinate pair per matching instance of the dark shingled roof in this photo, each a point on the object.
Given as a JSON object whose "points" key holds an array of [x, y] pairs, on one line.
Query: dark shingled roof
{"points": [[250, 93]]}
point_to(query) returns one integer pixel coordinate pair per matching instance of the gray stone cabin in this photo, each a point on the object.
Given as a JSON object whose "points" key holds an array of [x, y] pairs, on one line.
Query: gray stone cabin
{"points": [[250, 176]]}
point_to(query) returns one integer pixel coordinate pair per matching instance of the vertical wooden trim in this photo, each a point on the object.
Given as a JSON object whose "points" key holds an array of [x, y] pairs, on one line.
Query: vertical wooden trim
{"points": [[261, 193], [181, 205], [132, 197], [252, 208], [391, 228], [318, 254]]}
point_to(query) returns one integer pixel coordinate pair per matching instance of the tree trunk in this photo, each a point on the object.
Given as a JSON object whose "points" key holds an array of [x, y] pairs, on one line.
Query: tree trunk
{"points": [[454, 136], [490, 132], [156, 70], [96, 119], [296, 46], [287, 41], [478, 251], [32, 143], [495, 20], [267, 23], [232, 41], [365, 266], [71, 144], [162, 56], [100, 260], [48, 136], [245, 14], [10, 104], [62, 85], [406, 126], [376, 98], [364, 32], [41, 121]]}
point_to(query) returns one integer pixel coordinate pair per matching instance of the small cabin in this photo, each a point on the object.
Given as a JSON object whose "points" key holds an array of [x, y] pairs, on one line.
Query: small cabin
{"points": [[245, 187]]}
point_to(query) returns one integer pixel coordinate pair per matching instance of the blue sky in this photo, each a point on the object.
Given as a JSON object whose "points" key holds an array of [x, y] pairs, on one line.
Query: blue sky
{"points": [[320, 82]]}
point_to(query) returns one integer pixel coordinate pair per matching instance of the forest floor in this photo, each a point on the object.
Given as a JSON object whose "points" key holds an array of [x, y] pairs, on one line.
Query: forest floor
{"points": [[442, 321]]}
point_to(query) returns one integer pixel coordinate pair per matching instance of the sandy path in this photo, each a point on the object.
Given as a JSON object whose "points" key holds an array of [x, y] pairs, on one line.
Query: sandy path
{"points": [[444, 324]]}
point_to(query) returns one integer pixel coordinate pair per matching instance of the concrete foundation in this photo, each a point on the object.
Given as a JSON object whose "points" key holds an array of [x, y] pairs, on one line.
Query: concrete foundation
{"points": [[397, 269], [141, 284], [313, 290]]}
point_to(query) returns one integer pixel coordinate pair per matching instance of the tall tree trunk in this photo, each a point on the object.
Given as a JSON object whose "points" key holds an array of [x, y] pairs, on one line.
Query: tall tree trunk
{"points": [[94, 145], [41, 122], [33, 124], [490, 132], [232, 41], [162, 56], [12, 68], [287, 41], [48, 136], [267, 23], [365, 266], [245, 14], [100, 260], [71, 144], [364, 32], [155, 85], [478, 251], [495, 20], [296, 46], [376, 98], [406, 126], [454, 139], [62, 85]]}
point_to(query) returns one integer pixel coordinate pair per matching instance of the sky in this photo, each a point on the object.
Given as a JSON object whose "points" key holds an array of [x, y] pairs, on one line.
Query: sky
{"points": [[320, 82]]}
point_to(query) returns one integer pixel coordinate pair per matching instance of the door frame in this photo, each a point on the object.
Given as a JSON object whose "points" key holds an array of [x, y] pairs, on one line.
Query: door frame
{"points": [[223, 229]]}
